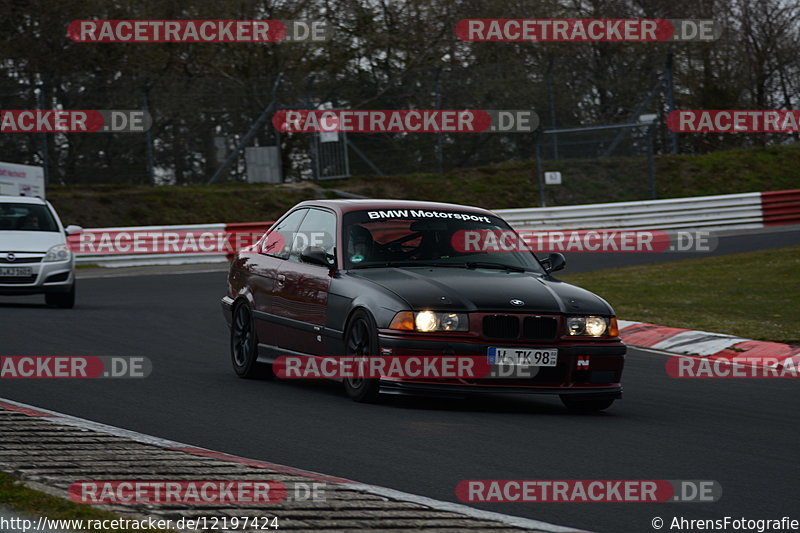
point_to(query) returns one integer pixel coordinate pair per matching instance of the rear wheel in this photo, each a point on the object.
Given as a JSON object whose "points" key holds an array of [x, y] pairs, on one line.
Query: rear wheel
{"points": [[64, 300], [587, 405], [244, 345], [362, 340]]}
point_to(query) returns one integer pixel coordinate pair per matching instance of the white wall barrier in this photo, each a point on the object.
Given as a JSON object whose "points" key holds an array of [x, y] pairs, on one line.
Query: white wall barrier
{"points": [[713, 213]]}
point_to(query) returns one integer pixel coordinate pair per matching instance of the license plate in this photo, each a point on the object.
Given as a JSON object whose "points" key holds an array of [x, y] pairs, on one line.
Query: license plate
{"points": [[22, 272], [523, 356]]}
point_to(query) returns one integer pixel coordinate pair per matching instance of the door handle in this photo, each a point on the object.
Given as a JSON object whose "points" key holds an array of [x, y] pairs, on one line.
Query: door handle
{"points": [[280, 279]]}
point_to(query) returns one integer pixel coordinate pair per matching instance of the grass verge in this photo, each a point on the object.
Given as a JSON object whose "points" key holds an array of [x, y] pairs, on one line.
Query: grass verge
{"points": [[752, 295]]}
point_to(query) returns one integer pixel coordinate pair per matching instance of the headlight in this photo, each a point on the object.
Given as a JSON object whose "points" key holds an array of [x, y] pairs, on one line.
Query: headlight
{"points": [[592, 326], [59, 252], [428, 321]]}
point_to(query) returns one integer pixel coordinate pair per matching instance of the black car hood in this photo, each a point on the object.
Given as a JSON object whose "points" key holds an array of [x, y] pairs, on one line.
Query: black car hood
{"points": [[484, 290]]}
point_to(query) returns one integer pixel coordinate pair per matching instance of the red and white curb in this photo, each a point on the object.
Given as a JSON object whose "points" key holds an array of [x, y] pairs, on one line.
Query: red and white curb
{"points": [[68, 420], [678, 341]]}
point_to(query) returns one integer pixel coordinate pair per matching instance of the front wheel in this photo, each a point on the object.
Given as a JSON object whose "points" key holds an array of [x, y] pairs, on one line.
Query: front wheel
{"points": [[587, 405], [362, 340], [244, 345]]}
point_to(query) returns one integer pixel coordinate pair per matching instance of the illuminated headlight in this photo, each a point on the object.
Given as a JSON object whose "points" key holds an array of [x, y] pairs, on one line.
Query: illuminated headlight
{"points": [[593, 326], [428, 321], [59, 252]]}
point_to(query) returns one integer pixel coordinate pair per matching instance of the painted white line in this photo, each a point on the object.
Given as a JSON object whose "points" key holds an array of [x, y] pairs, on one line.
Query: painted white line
{"points": [[697, 343], [656, 352], [60, 418]]}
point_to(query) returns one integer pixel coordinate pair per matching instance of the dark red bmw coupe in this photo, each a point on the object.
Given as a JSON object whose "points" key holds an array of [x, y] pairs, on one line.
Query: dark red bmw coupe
{"points": [[380, 278]]}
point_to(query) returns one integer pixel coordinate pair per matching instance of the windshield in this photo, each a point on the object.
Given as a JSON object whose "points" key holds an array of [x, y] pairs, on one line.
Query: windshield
{"points": [[412, 237], [26, 217]]}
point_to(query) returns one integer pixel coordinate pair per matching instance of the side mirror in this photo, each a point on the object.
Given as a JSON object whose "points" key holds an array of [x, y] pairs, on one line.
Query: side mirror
{"points": [[315, 255], [69, 230], [555, 261]]}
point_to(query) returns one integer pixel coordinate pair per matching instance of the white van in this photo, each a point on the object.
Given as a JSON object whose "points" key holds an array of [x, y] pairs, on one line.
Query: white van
{"points": [[34, 256]]}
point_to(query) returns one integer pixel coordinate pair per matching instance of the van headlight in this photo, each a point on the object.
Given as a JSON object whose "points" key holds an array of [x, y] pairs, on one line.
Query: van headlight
{"points": [[59, 252], [592, 326]]}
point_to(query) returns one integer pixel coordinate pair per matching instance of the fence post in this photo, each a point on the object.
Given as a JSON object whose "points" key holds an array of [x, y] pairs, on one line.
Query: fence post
{"points": [[313, 144], [651, 171], [148, 136], [259, 123], [40, 103], [673, 137], [439, 145], [551, 104], [539, 171]]}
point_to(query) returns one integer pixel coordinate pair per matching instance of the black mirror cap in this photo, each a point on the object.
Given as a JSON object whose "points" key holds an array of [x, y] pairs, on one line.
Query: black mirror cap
{"points": [[315, 255], [555, 261]]}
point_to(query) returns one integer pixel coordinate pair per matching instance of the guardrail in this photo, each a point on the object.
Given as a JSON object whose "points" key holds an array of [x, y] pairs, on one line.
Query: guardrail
{"points": [[712, 213], [730, 211]]}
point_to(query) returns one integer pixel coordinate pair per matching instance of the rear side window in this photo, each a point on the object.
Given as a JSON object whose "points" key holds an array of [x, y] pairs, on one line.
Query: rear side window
{"points": [[26, 217]]}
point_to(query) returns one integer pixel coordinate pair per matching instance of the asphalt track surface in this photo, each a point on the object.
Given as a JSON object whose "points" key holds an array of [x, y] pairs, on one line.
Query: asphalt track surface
{"points": [[741, 433]]}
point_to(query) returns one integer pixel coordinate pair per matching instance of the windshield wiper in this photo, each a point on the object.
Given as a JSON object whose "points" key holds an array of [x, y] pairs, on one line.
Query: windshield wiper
{"points": [[402, 264], [468, 264], [487, 264]]}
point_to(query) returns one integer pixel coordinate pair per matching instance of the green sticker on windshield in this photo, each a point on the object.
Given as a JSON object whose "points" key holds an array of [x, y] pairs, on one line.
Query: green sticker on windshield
{"points": [[356, 258]]}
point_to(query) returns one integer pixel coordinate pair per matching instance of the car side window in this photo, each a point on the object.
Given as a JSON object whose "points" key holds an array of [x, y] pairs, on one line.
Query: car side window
{"points": [[278, 242], [317, 229]]}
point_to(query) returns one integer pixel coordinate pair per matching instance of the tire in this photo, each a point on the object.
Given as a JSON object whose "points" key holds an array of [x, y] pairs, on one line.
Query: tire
{"points": [[587, 405], [64, 300], [244, 345], [362, 339]]}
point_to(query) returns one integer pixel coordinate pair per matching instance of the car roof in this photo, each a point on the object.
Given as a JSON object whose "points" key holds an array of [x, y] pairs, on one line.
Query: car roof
{"points": [[22, 200], [342, 206]]}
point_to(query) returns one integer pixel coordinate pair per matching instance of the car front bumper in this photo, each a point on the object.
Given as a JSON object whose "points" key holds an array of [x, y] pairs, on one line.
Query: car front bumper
{"points": [[50, 277], [584, 368]]}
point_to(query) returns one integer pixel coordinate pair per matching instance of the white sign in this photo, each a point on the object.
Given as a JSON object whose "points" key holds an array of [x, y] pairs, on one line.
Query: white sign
{"points": [[21, 180], [552, 178], [329, 136]]}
